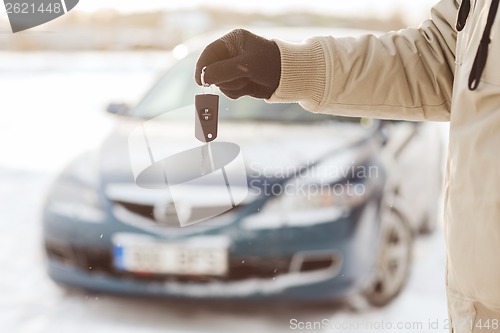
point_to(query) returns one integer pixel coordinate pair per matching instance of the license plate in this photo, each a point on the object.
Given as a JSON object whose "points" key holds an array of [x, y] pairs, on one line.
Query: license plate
{"points": [[145, 255]]}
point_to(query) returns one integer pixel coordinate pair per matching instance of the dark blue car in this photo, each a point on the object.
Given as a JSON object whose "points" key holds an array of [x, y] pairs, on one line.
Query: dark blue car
{"points": [[329, 206]]}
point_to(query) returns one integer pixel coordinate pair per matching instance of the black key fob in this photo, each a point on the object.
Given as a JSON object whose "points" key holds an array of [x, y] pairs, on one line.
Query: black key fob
{"points": [[207, 117]]}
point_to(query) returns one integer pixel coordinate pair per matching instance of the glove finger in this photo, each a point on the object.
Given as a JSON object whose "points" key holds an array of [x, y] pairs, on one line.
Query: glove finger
{"points": [[227, 70], [214, 52], [251, 89], [233, 94], [235, 84]]}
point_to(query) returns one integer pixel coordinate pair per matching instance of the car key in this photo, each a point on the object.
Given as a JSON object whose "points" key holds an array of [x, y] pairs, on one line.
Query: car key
{"points": [[206, 123], [207, 110]]}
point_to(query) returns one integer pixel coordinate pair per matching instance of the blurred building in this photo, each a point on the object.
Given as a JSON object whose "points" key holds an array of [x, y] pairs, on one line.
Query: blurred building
{"points": [[109, 30]]}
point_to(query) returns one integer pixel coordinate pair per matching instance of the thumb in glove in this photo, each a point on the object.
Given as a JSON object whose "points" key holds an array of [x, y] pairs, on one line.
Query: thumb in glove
{"points": [[241, 63]]}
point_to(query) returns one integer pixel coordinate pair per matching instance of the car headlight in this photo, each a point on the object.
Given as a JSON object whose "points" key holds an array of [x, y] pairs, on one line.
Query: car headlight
{"points": [[326, 186], [304, 204], [299, 196], [75, 193], [317, 196]]}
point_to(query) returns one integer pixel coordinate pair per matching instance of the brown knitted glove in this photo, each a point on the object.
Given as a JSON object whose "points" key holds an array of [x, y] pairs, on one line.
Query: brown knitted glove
{"points": [[241, 63]]}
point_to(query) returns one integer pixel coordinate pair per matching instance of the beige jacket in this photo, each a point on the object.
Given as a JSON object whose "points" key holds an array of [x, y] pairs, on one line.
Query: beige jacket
{"points": [[422, 74]]}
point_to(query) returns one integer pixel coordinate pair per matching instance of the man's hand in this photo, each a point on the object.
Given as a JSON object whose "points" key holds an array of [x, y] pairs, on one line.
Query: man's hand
{"points": [[241, 63]]}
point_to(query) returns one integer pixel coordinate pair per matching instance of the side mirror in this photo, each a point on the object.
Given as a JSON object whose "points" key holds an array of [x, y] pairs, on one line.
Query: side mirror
{"points": [[118, 108]]}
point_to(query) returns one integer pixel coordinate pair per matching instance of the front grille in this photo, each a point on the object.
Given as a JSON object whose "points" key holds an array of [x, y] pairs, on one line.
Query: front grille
{"points": [[166, 216], [99, 261], [240, 268], [253, 267], [142, 210], [85, 259]]}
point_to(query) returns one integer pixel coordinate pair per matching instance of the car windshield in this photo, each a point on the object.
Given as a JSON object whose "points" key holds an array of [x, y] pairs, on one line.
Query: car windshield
{"points": [[176, 89]]}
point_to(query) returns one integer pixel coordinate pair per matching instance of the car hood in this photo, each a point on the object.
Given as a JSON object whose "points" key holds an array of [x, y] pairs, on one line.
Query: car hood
{"points": [[271, 153], [271, 147]]}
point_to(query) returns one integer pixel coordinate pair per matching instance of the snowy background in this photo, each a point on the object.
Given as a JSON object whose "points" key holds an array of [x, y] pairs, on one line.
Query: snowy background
{"points": [[52, 108]]}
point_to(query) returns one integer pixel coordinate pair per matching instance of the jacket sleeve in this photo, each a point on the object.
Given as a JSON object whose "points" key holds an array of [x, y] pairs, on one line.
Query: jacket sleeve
{"points": [[406, 74]]}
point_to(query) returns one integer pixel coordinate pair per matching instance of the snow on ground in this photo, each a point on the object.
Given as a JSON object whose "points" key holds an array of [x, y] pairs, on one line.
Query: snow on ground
{"points": [[49, 112]]}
